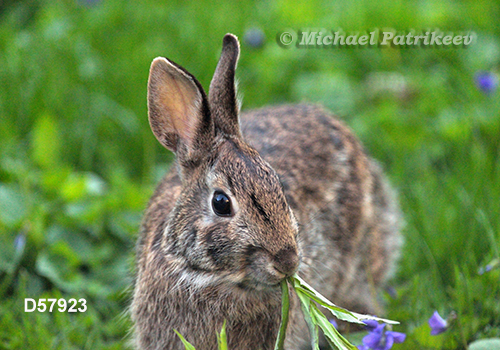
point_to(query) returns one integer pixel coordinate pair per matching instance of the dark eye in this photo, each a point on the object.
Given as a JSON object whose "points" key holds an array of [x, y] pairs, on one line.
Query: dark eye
{"points": [[221, 204]]}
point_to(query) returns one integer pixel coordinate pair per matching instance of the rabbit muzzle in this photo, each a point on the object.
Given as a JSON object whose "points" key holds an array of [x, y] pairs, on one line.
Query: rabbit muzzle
{"points": [[268, 270]]}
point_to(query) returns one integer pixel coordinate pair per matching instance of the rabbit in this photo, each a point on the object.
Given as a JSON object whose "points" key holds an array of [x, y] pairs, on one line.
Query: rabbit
{"points": [[253, 199]]}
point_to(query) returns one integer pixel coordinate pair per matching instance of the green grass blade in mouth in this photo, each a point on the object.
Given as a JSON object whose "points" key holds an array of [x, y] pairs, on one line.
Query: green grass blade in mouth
{"points": [[300, 285], [285, 307]]}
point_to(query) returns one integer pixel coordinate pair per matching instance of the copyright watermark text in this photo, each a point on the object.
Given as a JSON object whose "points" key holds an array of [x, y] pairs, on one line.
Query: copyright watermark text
{"points": [[388, 37]]}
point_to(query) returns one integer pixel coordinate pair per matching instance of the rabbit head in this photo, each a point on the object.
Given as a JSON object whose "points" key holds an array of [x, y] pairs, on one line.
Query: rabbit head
{"points": [[231, 223]]}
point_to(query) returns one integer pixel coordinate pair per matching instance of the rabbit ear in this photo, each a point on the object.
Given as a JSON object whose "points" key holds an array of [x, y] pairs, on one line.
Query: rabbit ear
{"points": [[222, 94], [178, 111]]}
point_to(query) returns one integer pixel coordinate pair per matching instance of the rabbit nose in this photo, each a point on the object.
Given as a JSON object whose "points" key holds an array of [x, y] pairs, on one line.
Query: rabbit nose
{"points": [[286, 261]]}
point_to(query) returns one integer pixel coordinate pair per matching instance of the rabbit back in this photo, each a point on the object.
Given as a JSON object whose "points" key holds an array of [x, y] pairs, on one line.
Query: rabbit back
{"points": [[348, 216]]}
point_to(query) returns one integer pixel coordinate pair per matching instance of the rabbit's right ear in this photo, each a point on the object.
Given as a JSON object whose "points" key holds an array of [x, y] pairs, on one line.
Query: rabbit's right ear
{"points": [[178, 111]]}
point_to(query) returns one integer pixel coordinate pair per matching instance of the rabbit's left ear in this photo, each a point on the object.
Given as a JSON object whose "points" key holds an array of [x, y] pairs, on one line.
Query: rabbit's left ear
{"points": [[222, 93], [178, 111]]}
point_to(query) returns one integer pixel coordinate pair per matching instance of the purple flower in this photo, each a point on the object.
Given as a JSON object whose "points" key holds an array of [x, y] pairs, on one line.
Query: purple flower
{"points": [[370, 324], [437, 323], [393, 337], [334, 323], [487, 82], [483, 270], [20, 242], [491, 266], [377, 339], [374, 337], [254, 37]]}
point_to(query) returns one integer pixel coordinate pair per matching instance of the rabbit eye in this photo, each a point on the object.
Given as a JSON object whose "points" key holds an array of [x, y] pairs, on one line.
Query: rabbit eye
{"points": [[221, 204]]}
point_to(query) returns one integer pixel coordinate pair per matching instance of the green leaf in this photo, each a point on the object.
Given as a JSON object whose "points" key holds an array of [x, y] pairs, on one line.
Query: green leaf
{"points": [[285, 306], [485, 344], [305, 304], [222, 337], [45, 142], [10, 256], [187, 345], [307, 290], [422, 336], [340, 313], [12, 205], [333, 337], [56, 266]]}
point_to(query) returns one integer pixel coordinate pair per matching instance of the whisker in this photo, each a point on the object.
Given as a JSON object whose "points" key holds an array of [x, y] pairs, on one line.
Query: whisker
{"points": [[314, 269]]}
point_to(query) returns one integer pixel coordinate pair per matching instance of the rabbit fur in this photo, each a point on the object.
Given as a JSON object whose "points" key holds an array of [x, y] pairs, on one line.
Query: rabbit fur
{"points": [[304, 197]]}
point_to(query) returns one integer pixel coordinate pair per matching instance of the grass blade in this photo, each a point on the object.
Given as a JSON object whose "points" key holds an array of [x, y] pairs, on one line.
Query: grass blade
{"points": [[285, 307], [222, 337], [187, 345]]}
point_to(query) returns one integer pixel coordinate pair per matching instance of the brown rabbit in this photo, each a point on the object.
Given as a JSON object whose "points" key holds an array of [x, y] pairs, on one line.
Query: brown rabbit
{"points": [[291, 190]]}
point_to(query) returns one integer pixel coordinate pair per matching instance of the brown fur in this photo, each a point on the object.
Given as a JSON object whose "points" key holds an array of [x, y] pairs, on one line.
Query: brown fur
{"points": [[305, 197]]}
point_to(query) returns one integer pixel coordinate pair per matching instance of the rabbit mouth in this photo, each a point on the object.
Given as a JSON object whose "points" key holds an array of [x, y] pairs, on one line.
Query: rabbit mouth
{"points": [[252, 284], [261, 278], [265, 271]]}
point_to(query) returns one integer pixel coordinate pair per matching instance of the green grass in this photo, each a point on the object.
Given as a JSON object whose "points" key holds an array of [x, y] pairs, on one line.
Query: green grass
{"points": [[78, 161]]}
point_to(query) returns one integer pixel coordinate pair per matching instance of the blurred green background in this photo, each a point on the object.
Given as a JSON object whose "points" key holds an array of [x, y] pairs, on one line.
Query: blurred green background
{"points": [[78, 161]]}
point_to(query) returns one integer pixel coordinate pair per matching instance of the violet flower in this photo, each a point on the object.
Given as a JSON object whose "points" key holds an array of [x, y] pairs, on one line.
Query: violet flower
{"points": [[377, 339], [483, 270], [20, 243], [490, 267], [370, 324], [254, 37], [334, 323], [437, 323], [487, 82]]}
